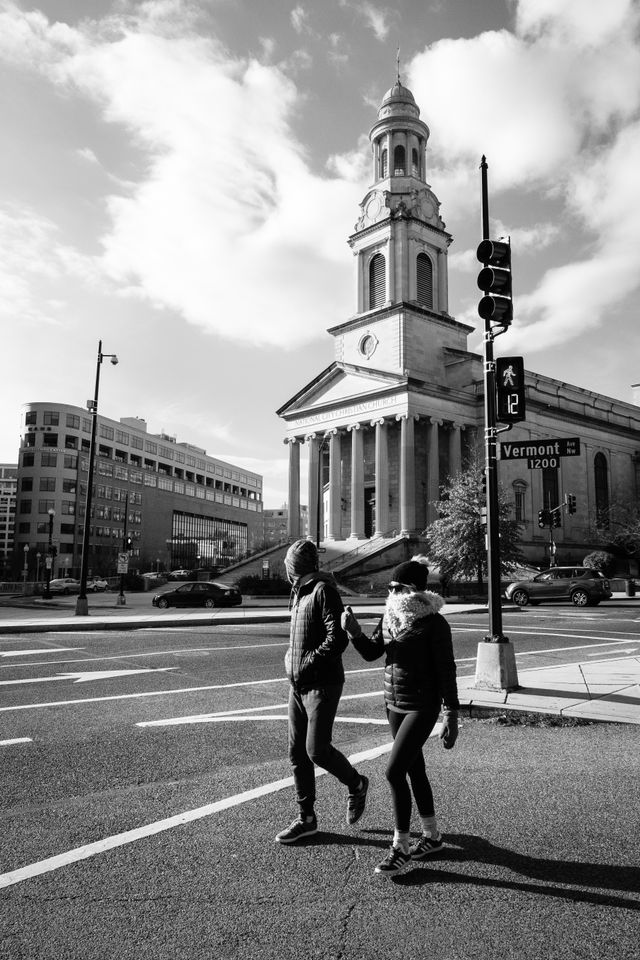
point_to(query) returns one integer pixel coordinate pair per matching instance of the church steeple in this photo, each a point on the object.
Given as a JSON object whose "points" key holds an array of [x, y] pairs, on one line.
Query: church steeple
{"points": [[400, 244]]}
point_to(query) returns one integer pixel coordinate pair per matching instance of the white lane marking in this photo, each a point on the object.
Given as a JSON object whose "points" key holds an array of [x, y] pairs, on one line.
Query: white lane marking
{"points": [[32, 653], [87, 676], [131, 836], [254, 717], [628, 650], [136, 655], [9, 743]]}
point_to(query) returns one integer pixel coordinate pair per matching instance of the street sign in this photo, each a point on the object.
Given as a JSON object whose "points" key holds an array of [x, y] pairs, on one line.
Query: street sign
{"points": [[543, 463], [536, 449], [123, 563]]}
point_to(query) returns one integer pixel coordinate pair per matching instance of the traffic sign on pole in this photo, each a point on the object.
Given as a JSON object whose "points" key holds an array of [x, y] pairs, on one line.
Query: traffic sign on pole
{"points": [[536, 449]]}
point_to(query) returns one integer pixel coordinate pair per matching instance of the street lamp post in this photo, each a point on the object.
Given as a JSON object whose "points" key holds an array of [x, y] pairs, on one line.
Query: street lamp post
{"points": [[25, 568], [49, 558], [82, 604], [38, 556]]}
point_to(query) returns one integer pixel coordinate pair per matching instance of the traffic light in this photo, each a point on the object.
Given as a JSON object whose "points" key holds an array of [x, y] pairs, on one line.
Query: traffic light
{"points": [[128, 543], [557, 519], [495, 282], [571, 503], [544, 518], [510, 393]]}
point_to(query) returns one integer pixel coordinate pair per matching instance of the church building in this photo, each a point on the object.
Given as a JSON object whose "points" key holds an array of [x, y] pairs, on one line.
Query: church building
{"points": [[401, 408]]}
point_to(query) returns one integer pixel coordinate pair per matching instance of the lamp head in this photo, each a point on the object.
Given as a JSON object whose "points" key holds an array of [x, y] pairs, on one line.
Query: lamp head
{"points": [[114, 360]]}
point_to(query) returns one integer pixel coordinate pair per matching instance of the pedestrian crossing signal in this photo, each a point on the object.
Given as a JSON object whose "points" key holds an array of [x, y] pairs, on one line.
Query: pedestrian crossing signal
{"points": [[510, 390]]}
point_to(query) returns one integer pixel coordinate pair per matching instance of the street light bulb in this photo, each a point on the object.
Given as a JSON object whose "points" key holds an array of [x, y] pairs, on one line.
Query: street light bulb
{"points": [[114, 360]]}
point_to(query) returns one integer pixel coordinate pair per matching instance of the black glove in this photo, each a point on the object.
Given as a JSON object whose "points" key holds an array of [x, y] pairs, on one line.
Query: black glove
{"points": [[449, 732]]}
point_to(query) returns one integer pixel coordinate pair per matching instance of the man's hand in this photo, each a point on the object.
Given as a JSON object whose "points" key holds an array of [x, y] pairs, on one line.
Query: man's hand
{"points": [[349, 623], [449, 732]]}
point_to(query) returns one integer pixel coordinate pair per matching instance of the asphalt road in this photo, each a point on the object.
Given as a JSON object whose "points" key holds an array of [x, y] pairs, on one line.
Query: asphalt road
{"points": [[161, 756]]}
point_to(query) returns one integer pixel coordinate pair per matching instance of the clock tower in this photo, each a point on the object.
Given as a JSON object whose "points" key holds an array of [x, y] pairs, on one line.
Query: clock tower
{"points": [[400, 243]]}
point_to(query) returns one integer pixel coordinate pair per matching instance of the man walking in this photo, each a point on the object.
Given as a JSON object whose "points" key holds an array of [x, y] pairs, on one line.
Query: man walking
{"points": [[314, 667]]}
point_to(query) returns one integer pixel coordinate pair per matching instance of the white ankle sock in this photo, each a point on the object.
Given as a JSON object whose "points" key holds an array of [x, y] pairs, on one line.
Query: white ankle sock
{"points": [[401, 840], [430, 827]]}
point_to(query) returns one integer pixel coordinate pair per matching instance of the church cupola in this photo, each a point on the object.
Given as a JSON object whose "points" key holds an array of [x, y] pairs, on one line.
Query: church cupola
{"points": [[399, 137]]}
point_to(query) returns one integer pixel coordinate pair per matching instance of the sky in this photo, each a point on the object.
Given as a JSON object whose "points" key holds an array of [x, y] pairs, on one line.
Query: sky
{"points": [[178, 178]]}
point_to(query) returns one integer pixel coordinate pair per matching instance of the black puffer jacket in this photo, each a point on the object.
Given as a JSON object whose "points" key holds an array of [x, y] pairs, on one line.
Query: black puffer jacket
{"points": [[420, 670], [317, 641]]}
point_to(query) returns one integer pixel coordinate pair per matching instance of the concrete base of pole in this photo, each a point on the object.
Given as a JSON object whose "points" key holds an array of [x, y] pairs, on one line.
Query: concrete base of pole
{"points": [[82, 607], [121, 600], [496, 667]]}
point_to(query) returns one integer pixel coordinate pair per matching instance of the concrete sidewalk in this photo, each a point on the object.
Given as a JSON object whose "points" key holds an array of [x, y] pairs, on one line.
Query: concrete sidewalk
{"points": [[606, 689]]}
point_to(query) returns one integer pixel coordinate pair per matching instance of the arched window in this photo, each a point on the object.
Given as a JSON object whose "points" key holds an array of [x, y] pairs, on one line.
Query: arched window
{"points": [[415, 166], [398, 162], [519, 493], [424, 276], [600, 471], [377, 289], [384, 164]]}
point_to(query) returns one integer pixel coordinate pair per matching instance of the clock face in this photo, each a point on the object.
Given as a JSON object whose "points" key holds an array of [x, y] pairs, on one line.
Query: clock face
{"points": [[367, 345], [374, 206], [428, 209]]}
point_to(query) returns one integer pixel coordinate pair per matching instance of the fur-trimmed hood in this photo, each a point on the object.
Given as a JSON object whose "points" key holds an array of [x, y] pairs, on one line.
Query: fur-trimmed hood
{"points": [[404, 609]]}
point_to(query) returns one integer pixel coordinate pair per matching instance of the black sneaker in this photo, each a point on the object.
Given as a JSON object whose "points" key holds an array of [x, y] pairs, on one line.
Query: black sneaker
{"points": [[299, 828], [395, 862], [425, 847], [357, 802]]}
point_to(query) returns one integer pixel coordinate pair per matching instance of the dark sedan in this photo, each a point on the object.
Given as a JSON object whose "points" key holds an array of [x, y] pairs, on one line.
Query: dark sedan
{"points": [[199, 593]]}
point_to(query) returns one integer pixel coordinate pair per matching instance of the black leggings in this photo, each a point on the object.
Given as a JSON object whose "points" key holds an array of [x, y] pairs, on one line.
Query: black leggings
{"points": [[410, 733]]}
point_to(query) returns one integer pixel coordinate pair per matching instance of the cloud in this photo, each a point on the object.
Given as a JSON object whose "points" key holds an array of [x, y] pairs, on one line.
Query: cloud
{"points": [[300, 20], [554, 107], [376, 19], [227, 214]]}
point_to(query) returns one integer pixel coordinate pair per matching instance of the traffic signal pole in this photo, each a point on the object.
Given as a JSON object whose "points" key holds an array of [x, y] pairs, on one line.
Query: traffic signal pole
{"points": [[490, 432], [495, 665]]}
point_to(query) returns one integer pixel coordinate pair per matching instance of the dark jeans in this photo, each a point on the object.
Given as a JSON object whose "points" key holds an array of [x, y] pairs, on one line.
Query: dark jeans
{"points": [[410, 733], [311, 716]]}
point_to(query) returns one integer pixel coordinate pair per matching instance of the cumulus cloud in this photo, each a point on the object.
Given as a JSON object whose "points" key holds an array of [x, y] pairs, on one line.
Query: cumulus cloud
{"points": [[376, 19], [554, 106]]}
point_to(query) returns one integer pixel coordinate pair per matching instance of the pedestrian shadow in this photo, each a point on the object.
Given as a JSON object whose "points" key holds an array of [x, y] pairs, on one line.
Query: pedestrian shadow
{"points": [[555, 878]]}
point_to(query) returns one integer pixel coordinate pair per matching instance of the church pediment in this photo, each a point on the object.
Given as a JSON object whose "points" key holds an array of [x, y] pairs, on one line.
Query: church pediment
{"points": [[339, 385]]}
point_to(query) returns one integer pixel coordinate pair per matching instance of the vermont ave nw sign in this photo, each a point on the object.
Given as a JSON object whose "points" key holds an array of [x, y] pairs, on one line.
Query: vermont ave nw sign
{"points": [[532, 449]]}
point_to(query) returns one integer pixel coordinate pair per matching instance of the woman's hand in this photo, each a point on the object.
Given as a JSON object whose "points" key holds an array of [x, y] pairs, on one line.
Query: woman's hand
{"points": [[349, 623], [449, 732]]}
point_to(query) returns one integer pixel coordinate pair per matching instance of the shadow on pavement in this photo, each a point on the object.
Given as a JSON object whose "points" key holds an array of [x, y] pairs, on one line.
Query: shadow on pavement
{"points": [[464, 848]]}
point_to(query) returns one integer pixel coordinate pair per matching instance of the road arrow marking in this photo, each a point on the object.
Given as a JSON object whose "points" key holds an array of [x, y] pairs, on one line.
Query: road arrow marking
{"points": [[87, 675]]}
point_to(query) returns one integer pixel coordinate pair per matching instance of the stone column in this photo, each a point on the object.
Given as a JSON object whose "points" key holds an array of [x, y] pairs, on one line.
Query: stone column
{"points": [[357, 482], [382, 478], [407, 473], [455, 450], [335, 497], [293, 521], [315, 513], [433, 469]]}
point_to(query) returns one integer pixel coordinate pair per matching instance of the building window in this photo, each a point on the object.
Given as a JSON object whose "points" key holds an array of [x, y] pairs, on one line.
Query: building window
{"points": [[600, 471], [30, 418], [30, 440], [73, 421], [28, 459], [68, 507], [399, 162], [519, 493], [48, 459], [377, 289], [50, 440], [48, 484], [550, 488], [424, 276], [70, 462], [51, 418], [106, 432], [415, 168], [70, 442], [68, 486], [45, 505], [384, 166], [24, 527], [26, 483], [25, 506]]}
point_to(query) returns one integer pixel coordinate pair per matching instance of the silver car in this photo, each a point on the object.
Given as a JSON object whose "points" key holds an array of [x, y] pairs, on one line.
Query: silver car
{"points": [[583, 586]]}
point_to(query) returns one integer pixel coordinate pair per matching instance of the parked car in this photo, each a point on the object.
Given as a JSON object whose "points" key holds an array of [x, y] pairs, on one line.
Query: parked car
{"points": [[583, 586], [180, 575], [65, 585], [97, 584], [199, 593]]}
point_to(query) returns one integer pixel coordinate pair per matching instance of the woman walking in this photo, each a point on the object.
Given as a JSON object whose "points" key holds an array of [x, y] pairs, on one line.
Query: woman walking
{"points": [[419, 678]]}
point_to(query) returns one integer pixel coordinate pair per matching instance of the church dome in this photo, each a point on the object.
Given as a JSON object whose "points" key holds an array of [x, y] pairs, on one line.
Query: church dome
{"points": [[398, 101]]}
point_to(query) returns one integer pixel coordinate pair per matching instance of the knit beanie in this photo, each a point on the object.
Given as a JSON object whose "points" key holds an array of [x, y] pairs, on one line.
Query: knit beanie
{"points": [[411, 573], [301, 558]]}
